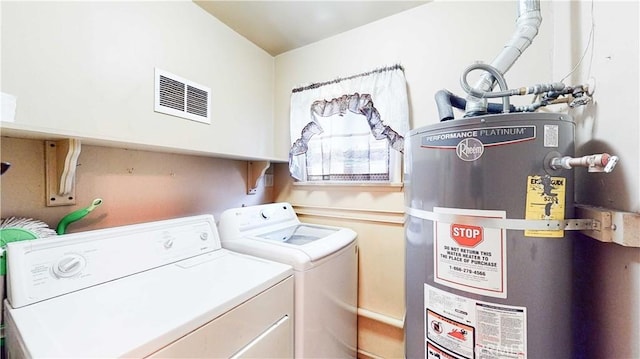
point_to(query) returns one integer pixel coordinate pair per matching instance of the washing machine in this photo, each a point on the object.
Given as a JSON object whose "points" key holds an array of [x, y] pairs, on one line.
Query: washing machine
{"points": [[161, 289], [325, 266]]}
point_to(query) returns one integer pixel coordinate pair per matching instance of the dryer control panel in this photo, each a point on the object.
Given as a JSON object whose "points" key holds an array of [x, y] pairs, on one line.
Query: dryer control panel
{"points": [[44, 268]]}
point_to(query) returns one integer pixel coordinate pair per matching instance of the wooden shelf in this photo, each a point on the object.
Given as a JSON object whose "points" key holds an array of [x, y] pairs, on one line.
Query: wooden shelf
{"points": [[612, 226]]}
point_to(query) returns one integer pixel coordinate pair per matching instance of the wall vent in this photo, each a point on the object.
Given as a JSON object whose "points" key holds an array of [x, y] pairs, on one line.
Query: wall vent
{"points": [[182, 98]]}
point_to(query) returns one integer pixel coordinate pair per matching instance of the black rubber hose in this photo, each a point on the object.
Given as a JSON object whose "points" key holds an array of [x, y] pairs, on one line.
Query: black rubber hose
{"points": [[443, 102], [446, 101]]}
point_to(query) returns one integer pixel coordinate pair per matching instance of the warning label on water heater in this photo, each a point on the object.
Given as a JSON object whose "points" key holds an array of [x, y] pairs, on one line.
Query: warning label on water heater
{"points": [[457, 327], [470, 257]]}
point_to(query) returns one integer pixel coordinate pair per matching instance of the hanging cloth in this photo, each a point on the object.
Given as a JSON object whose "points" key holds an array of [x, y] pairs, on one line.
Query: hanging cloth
{"points": [[340, 129]]}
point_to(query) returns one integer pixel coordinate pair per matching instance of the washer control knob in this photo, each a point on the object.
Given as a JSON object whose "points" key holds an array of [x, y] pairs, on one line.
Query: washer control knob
{"points": [[204, 236], [168, 243], [265, 214], [69, 266]]}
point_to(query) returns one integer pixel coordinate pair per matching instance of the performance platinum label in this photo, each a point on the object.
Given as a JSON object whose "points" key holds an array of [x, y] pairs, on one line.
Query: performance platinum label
{"points": [[487, 136]]}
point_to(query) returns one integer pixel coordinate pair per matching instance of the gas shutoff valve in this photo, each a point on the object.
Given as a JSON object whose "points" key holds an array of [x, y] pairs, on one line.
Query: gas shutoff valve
{"points": [[602, 162]]}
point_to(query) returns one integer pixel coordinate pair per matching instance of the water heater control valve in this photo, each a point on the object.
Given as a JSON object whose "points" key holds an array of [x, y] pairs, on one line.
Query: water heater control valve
{"points": [[602, 162]]}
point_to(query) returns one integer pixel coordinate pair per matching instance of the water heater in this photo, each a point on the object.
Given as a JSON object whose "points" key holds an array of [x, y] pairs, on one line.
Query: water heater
{"points": [[488, 268]]}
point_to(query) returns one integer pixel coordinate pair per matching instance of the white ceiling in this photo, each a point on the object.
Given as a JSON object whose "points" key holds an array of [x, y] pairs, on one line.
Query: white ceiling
{"points": [[280, 26]]}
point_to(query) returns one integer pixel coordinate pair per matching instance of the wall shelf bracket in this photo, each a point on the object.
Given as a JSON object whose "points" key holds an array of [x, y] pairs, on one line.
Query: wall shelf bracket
{"points": [[255, 171], [61, 161]]}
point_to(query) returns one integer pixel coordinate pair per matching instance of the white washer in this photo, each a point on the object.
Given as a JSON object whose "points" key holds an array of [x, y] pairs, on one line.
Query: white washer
{"points": [[325, 264], [159, 289]]}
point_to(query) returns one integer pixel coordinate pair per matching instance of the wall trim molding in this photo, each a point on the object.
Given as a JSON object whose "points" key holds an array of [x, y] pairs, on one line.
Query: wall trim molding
{"points": [[381, 318], [349, 186], [357, 214]]}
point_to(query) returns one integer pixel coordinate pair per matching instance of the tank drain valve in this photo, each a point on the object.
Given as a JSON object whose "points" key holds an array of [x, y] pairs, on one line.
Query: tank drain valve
{"points": [[602, 162]]}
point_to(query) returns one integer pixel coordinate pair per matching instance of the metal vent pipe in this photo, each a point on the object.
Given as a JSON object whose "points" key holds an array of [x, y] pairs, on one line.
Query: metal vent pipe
{"points": [[527, 25]]}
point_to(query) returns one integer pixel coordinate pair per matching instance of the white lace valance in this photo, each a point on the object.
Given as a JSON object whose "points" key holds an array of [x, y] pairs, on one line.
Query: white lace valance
{"points": [[343, 129]]}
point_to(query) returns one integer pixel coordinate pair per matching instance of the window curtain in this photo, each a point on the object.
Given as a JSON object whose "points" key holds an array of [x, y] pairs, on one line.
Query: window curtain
{"points": [[344, 129]]}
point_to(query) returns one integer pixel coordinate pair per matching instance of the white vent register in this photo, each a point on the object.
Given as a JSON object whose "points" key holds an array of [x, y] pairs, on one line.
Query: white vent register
{"points": [[182, 98]]}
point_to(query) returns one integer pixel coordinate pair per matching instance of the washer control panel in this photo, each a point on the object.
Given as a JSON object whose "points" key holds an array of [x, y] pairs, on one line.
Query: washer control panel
{"points": [[267, 214], [43, 268], [243, 221]]}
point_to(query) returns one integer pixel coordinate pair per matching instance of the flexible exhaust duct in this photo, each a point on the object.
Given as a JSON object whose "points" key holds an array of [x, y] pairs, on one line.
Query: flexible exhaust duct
{"points": [[527, 24]]}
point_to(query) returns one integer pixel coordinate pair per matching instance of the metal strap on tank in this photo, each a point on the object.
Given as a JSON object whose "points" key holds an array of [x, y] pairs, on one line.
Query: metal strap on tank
{"points": [[505, 223]]}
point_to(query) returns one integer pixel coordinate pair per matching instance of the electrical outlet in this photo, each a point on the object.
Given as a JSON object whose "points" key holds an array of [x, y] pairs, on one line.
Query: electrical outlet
{"points": [[268, 180]]}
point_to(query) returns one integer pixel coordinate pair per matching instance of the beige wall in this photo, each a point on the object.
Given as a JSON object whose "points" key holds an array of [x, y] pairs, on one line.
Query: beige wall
{"points": [[85, 69], [434, 43], [136, 186]]}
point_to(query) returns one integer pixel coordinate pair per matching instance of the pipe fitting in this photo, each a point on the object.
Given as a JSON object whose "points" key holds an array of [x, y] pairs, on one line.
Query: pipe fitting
{"points": [[602, 162]]}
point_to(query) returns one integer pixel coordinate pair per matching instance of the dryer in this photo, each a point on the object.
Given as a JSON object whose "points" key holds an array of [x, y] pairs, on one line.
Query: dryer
{"points": [[325, 265], [160, 289]]}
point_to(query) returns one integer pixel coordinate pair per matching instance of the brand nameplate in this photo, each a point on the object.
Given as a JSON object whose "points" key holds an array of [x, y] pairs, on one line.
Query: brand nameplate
{"points": [[488, 136]]}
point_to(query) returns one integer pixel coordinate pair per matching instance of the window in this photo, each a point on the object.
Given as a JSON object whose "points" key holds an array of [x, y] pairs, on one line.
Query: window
{"points": [[344, 137]]}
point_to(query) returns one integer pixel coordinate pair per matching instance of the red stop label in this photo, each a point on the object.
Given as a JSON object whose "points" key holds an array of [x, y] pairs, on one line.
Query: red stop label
{"points": [[467, 236]]}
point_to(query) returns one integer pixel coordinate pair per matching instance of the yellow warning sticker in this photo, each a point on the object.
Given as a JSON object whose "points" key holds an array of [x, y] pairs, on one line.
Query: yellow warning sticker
{"points": [[545, 200]]}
